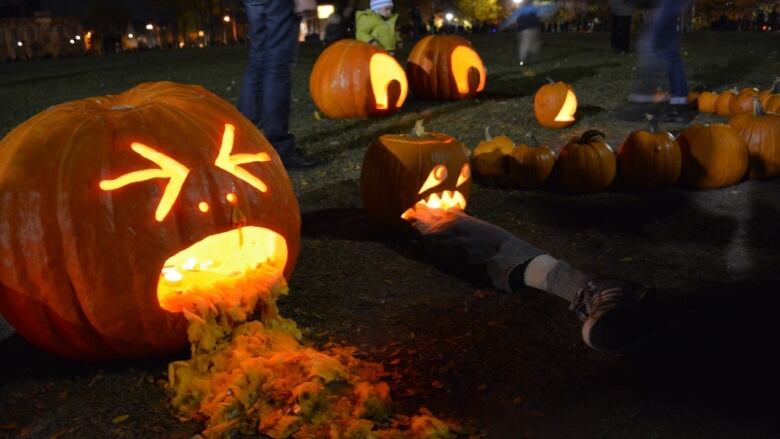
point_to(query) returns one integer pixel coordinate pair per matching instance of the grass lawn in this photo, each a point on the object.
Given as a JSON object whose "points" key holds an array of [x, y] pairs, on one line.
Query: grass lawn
{"points": [[510, 365]]}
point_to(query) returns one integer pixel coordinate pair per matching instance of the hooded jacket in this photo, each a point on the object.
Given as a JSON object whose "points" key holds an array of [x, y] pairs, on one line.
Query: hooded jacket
{"points": [[370, 27]]}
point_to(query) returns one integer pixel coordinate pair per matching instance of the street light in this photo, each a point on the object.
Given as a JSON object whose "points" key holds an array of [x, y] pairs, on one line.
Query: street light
{"points": [[72, 41], [78, 37], [149, 26], [449, 16], [19, 43], [130, 36], [226, 18]]}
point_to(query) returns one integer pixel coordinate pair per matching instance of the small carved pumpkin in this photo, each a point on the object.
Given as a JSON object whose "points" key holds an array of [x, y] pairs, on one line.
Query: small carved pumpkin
{"points": [[531, 164], [706, 101], [113, 208], [555, 105], [445, 67], [723, 102], [353, 79], [712, 156], [650, 159], [743, 102], [400, 171], [761, 132], [489, 156], [587, 164]]}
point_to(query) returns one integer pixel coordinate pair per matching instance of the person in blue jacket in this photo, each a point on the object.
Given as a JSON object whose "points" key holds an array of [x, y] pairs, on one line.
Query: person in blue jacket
{"points": [[527, 18]]}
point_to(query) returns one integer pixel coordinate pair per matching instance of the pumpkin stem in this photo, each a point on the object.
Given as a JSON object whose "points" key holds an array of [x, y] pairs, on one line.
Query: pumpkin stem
{"points": [[488, 137], [758, 109], [419, 129], [589, 135], [532, 141], [775, 85], [652, 123], [550, 80]]}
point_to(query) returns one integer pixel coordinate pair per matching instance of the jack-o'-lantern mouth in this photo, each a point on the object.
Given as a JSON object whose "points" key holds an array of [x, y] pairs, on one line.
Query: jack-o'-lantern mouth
{"points": [[226, 267], [439, 200]]}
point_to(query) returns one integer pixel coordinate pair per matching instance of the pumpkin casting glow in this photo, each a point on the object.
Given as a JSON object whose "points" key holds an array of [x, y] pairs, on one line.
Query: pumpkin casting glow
{"points": [[445, 67], [121, 210], [352, 79], [555, 105]]}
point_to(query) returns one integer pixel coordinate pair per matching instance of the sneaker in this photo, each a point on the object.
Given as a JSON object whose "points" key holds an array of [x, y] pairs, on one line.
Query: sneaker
{"points": [[298, 160], [655, 98], [611, 312], [682, 113]]}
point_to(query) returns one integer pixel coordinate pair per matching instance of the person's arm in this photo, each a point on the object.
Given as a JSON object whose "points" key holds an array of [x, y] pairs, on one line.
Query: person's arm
{"points": [[363, 29]]}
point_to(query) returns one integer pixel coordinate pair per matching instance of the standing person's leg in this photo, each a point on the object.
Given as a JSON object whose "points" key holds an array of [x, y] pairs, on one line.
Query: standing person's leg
{"points": [[615, 33], [668, 46], [522, 48], [282, 31], [252, 87]]}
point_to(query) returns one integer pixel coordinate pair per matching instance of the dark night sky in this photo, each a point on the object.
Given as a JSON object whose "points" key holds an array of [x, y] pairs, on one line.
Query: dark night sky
{"points": [[136, 8]]}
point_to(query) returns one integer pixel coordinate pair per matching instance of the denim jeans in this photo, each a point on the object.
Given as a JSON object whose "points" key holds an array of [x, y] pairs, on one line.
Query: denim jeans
{"points": [[659, 50], [267, 86]]}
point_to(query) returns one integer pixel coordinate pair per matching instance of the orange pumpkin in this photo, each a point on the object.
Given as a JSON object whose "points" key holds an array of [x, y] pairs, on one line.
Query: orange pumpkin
{"points": [[765, 95], [706, 101], [530, 165], [555, 105], [723, 102], [113, 205], [761, 132], [587, 164], [400, 171], [490, 154], [693, 98], [743, 102], [445, 67], [650, 159], [712, 156], [352, 79], [773, 104]]}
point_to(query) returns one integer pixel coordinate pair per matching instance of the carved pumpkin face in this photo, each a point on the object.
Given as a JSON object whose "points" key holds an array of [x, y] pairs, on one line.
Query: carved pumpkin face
{"points": [[445, 67], [352, 79], [400, 171], [117, 211], [555, 105]]}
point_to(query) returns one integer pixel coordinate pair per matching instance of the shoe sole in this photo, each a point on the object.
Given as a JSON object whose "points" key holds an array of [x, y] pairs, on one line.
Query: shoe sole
{"points": [[587, 327]]}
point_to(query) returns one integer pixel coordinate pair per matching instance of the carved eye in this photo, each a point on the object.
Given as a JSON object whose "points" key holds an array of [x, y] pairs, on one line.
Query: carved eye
{"points": [[465, 174], [436, 177], [232, 163], [168, 168]]}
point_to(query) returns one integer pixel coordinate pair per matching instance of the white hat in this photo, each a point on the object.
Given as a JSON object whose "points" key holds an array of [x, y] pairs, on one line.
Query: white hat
{"points": [[379, 4]]}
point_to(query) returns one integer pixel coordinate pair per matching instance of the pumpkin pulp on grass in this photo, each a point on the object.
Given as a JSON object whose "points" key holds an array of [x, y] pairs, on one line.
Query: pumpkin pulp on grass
{"points": [[249, 371]]}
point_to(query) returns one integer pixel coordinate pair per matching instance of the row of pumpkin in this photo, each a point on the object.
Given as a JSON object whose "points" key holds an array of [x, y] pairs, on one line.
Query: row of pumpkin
{"points": [[734, 101], [703, 156]]}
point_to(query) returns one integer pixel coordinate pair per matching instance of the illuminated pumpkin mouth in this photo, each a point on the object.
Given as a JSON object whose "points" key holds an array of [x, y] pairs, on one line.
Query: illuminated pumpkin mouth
{"points": [[441, 200], [568, 109], [226, 267]]}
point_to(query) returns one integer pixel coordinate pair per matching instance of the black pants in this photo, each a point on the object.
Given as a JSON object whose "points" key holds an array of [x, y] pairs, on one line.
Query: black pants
{"points": [[621, 33]]}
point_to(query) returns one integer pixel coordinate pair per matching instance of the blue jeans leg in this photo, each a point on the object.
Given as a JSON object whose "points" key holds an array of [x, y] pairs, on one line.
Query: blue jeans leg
{"points": [[666, 44], [267, 87]]}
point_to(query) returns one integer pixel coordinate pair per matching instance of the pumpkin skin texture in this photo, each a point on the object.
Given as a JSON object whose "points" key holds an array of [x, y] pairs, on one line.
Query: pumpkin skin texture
{"points": [[445, 67], [83, 264], [648, 160], [396, 168], [743, 102], [530, 166], [549, 102], [713, 156], [490, 155], [347, 81], [706, 101], [723, 103], [761, 132], [587, 164]]}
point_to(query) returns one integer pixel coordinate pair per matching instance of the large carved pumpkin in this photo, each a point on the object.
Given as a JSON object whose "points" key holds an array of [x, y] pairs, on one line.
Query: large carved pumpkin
{"points": [[712, 156], [555, 105], [445, 67], [400, 171], [650, 159], [114, 209], [761, 132], [587, 164], [352, 79]]}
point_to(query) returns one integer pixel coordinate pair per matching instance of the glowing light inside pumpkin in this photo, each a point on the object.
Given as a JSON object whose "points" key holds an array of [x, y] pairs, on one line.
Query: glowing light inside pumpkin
{"points": [[232, 163], [465, 174], [203, 206], [436, 177], [169, 168], [384, 70], [464, 59], [442, 200], [231, 198], [189, 276], [568, 109]]}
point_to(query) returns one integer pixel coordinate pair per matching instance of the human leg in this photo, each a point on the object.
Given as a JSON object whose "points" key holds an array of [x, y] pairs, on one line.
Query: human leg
{"points": [[252, 87]]}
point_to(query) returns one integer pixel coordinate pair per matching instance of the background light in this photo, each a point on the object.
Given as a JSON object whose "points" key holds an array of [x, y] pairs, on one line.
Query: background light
{"points": [[78, 37], [129, 35], [19, 43], [325, 11], [149, 26], [226, 18], [449, 16], [72, 41]]}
